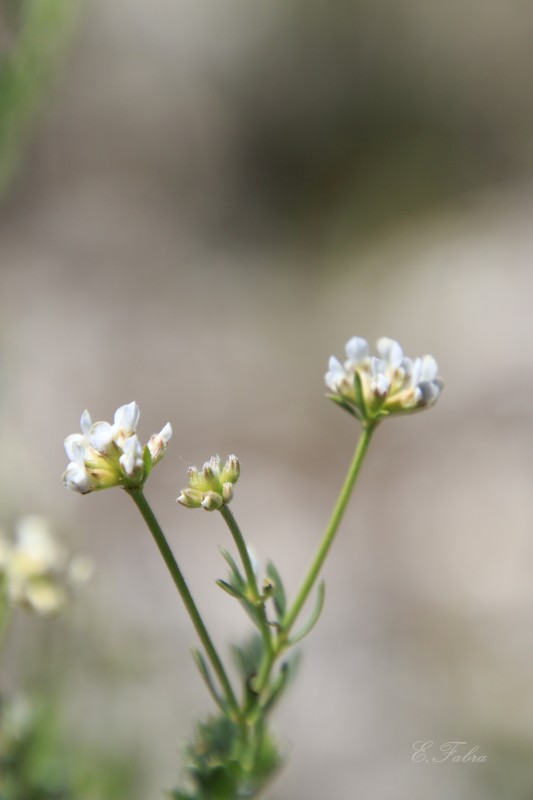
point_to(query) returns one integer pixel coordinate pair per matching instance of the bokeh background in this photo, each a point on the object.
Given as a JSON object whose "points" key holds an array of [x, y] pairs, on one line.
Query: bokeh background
{"points": [[202, 202]]}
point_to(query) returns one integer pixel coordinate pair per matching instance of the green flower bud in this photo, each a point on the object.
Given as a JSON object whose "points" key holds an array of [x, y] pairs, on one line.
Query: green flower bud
{"points": [[212, 486], [212, 501], [191, 498]]}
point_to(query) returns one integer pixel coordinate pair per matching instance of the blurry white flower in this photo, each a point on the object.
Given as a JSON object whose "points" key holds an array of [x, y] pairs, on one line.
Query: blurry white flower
{"points": [[35, 569], [371, 387], [212, 486], [105, 454]]}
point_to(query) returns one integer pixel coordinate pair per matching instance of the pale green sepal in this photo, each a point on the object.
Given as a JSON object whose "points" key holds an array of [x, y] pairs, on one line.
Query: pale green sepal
{"points": [[147, 461], [200, 662], [358, 394], [346, 406], [315, 614]]}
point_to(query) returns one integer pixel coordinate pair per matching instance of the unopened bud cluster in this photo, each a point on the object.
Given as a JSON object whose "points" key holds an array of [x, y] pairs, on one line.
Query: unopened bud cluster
{"points": [[105, 455], [212, 486], [371, 387]]}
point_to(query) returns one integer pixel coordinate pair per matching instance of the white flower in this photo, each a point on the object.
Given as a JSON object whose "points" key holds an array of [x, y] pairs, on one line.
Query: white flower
{"points": [[35, 569], [371, 387], [106, 454]]}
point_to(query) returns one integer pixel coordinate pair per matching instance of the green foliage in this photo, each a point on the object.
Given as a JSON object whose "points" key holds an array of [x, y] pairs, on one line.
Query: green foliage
{"points": [[38, 29], [227, 761], [35, 764]]}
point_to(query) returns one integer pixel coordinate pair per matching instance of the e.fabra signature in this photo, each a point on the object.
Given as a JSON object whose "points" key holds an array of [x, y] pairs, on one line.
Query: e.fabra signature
{"points": [[456, 752]]}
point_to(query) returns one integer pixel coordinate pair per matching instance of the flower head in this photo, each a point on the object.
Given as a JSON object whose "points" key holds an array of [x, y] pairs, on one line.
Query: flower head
{"points": [[372, 387], [35, 572], [212, 486], [106, 454]]}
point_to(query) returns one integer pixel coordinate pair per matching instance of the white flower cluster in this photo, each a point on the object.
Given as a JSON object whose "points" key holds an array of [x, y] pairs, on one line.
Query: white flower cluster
{"points": [[105, 454], [212, 486], [371, 387], [35, 572]]}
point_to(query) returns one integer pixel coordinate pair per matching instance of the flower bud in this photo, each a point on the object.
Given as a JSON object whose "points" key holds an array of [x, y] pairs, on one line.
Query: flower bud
{"points": [[212, 486], [231, 470], [212, 501], [191, 498]]}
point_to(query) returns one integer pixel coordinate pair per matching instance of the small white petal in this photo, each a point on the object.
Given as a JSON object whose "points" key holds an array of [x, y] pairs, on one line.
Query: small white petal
{"points": [[131, 459], [101, 436], [75, 445], [416, 372], [390, 350], [77, 479], [85, 422], [126, 418], [356, 349], [380, 385], [166, 433], [429, 369], [335, 374], [430, 392]]}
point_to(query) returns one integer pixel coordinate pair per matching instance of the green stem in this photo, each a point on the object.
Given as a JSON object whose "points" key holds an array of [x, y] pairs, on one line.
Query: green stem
{"points": [[331, 530], [322, 551], [238, 538], [172, 565]]}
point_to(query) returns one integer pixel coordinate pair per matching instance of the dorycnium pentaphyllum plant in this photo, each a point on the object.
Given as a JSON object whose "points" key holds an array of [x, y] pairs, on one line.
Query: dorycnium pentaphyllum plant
{"points": [[233, 754]]}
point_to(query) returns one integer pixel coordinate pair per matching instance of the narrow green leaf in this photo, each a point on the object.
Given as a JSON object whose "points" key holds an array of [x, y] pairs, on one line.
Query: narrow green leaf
{"points": [[315, 614], [278, 595], [229, 589], [237, 581], [206, 675], [284, 678]]}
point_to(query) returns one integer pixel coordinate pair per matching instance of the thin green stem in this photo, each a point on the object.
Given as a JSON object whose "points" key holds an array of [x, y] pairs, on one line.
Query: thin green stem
{"points": [[331, 530], [321, 553], [172, 565], [238, 538]]}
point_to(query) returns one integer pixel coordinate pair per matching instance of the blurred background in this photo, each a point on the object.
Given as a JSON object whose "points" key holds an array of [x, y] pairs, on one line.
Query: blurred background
{"points": [[200, 203]]}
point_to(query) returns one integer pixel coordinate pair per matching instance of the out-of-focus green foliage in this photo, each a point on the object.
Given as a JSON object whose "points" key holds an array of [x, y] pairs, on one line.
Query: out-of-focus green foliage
{"points": [[226, 762], [32, 34], [35, 764]]}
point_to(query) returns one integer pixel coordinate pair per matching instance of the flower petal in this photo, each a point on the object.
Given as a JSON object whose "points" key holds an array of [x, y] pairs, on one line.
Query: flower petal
{"points": [[75, 446], [126, 418], [101, 436], [429, 370], [131, 459], [356, 349], [335, 374], [390, 351], [85, 422]]}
